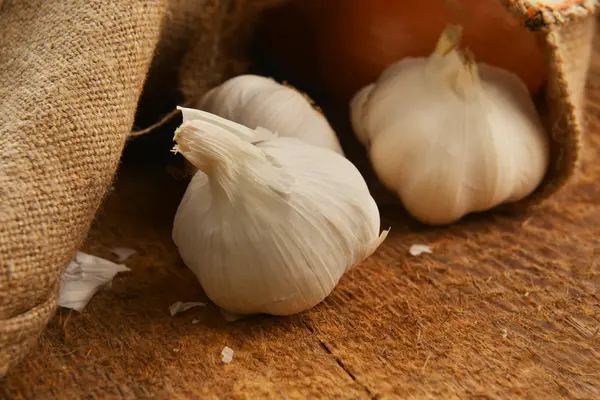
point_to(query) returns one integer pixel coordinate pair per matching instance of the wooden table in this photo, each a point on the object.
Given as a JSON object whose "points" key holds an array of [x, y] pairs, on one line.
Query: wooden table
{"points": [[503, 308]]}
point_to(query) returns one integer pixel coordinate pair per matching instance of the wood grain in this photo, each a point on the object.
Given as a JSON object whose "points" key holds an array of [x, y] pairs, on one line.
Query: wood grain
{"points": [[505, 307]]}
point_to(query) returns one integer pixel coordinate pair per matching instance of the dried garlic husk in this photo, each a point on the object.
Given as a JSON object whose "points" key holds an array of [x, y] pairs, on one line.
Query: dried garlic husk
{"points": [[450, 136], [268, 224], [180, 306], [83, 277], [254, 101], [226, 355]]}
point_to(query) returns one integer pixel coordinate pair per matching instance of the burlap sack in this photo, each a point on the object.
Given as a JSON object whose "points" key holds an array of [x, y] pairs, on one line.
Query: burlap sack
{"points": [[71, 72], [203, 43], [567, 29]]}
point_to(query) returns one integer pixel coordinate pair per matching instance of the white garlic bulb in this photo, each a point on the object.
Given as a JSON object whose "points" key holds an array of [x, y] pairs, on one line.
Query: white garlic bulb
{"points": [[253, 101], [268, 224], [449, 136]]}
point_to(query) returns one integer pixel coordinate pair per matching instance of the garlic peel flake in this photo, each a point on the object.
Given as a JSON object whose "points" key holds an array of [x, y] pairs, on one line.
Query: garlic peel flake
{"points": [[179, 306], [122, 253], [270, 227], [450, 136], [231, 317], [226, 355], [418, 249], [84, 276]]}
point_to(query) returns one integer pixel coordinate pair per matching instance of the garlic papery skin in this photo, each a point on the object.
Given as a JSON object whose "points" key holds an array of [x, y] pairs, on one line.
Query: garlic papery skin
{"points": [[269, 224], [253, 101], [451, 137]]}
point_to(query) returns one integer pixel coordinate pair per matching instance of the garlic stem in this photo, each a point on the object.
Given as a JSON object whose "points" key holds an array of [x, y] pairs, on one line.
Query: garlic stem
{"points": [[200, 144], [449, 40], [467, 79], [221, 149], [460, 66], [239, 130]]}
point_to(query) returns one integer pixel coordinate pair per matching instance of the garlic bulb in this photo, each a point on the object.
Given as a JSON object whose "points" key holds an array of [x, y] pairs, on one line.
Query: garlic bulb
{"points": [[268, 224], [449, 136], [254, 101]]}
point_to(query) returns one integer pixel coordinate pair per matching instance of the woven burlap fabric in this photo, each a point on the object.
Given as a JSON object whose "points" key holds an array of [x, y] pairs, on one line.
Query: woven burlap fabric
{"points": [[203, 42], [228, 55], [568, 33], [180, 22], [71, 72]]}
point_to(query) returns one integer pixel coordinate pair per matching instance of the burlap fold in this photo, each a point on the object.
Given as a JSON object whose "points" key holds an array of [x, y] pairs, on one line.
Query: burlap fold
{"points": [[567, 31], [203, 43], [71, 72]]}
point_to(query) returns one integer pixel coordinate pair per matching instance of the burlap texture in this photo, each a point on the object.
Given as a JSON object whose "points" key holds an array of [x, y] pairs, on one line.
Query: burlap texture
{"points": [[71, 72], [567, 34], [203, 43]]}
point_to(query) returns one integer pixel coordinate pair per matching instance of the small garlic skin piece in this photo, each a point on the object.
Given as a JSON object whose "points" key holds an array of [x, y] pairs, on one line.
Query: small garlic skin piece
{"points": [[269, 227], [254, 101], [450, 137]]}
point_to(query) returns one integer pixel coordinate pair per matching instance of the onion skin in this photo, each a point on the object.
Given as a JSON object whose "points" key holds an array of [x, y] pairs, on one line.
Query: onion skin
{"points": [[355, 40]]}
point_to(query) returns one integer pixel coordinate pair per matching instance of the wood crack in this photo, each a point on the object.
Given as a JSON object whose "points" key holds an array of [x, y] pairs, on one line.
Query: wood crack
{"points": [[339, 362]]}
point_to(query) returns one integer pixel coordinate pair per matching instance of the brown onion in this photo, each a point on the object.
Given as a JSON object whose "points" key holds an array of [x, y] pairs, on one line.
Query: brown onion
{"points": [[360, 38]]}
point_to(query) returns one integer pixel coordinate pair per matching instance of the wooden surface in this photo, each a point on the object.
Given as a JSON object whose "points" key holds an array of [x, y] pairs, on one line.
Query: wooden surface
{"points": [[505, 307]]}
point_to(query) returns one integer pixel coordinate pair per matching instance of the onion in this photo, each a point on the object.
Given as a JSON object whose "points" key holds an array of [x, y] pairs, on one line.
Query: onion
{"points": [[359, 39], [345, 44]]}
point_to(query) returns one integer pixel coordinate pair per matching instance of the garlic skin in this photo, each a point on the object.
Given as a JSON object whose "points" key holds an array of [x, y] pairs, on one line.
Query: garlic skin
{"points": [[451, 137], [268, 224], [253, 101]]}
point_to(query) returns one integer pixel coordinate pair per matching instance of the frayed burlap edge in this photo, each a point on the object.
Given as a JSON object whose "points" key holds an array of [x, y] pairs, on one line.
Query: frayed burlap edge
{"points": [[539, 16]]}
